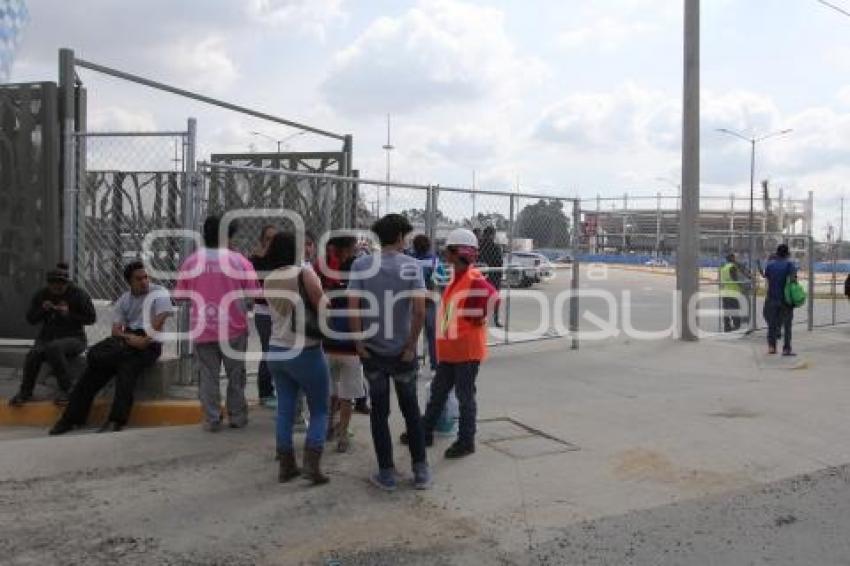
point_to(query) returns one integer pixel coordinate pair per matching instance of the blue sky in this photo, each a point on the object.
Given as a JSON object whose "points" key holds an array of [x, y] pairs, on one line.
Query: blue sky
{"points": [[569, 97]]}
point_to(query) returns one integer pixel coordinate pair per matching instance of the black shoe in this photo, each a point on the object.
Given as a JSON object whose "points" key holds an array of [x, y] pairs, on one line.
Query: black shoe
{"points": [[111, 426], [19, 399], [429, 439], [61, 427], [788, 353], [458, 450], [362, 407]]}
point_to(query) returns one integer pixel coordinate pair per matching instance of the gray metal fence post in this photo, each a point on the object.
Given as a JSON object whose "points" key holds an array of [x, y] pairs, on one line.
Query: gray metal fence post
{"points": [[190, 222], [574, 283], [429, 214], [349, 196], [511, 220], [811, 262], [834, 283], [67, 109], [190, 184]]}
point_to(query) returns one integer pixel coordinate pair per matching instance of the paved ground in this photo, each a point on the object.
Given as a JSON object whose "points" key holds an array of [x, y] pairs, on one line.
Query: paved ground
{"points": [[651, 308], [684, 454]]}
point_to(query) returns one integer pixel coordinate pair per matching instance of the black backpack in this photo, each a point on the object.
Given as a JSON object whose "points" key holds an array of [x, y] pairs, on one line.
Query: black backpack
{"points": [[847, 287]]}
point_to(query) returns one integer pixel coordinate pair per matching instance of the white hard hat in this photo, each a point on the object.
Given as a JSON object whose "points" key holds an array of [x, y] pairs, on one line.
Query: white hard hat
{"points": [[462, 237]]}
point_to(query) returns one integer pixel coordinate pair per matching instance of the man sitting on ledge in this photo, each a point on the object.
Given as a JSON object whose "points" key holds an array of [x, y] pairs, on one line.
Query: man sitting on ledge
{"points": [[124, 355], [62, 309]]}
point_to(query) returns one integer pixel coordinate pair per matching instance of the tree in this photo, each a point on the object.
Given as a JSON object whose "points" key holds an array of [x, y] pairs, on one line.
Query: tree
{"points": [[546, 223]]}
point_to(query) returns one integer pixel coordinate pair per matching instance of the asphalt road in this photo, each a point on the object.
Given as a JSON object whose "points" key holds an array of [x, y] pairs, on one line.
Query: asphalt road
{"points": [[801, 520], [628, 300]]}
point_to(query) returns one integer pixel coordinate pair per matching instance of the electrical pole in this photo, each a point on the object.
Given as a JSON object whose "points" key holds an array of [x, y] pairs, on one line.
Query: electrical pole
{"points": [[687, 278]]}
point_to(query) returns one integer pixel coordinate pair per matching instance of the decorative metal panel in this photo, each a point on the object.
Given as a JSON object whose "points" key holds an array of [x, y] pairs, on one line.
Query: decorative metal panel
{"points": [[30, 234]]}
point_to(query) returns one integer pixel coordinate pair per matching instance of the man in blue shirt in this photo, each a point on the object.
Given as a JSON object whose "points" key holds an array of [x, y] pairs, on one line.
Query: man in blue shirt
{"points": [[779, 314], [390, 289]]}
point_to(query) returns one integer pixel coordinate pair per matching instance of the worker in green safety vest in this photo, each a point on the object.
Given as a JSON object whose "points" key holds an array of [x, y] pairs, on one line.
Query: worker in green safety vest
{"points": [[732, 288]]}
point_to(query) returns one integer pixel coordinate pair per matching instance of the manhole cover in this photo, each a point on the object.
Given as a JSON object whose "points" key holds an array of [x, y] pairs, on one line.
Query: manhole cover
{"points": [[518, 440]]}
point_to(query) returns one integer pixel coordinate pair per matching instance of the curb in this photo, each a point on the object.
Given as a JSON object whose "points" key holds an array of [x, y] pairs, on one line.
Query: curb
{"points": [[145, 413]]}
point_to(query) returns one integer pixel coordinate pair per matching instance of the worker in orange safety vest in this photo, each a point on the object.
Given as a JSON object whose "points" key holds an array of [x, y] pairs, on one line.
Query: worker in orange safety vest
{"points": [[464, 309]]}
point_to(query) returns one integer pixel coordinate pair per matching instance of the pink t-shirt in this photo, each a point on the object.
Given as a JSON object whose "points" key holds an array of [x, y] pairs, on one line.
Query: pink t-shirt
{"points": [[213, 274]]}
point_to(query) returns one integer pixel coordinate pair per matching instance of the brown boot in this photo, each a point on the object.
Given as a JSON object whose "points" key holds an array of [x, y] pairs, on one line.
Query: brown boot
{"points": [[288, 467], [312, 471]]}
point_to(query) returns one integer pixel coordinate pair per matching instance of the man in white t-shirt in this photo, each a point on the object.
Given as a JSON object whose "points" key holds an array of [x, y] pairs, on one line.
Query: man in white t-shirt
{"points": [[139, 314]]}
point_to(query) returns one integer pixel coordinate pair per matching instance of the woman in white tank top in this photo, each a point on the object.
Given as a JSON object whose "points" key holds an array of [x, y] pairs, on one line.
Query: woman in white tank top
{"points": [[296, 359]]}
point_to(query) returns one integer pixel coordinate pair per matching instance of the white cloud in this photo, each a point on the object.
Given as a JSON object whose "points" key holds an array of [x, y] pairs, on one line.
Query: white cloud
{"points": [[468, 145], [636, 122], [843, 96], [438, 52], [312, 16], [606, 34], [605, 120], [116, 118], [203, 63]]}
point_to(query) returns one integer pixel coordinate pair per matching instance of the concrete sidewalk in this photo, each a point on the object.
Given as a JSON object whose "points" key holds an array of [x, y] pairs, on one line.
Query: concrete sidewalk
{"points": [[566, 438]]}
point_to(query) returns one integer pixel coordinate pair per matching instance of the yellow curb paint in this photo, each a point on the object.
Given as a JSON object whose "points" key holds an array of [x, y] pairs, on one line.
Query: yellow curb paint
{"points": [[145, 413]]}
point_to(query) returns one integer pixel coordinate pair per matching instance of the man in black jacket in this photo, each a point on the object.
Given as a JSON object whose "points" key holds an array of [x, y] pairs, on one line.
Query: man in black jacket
{"points": [[490, 253], [62, 309]]}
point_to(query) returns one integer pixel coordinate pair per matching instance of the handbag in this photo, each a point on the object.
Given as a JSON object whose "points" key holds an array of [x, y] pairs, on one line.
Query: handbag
{"points": [[793, 292], [312, 329]]}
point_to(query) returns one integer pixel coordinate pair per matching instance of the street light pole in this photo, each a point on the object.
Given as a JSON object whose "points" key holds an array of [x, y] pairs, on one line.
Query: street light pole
{"points": [[279, 142]]}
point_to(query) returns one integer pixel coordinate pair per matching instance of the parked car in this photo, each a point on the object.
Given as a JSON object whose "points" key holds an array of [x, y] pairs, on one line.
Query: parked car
{"points": [[524, 269], [565, 258], [657, 262]]}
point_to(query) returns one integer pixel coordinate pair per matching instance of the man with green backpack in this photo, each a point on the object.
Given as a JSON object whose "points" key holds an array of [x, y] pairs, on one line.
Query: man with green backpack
{"points": [[784, 294]]}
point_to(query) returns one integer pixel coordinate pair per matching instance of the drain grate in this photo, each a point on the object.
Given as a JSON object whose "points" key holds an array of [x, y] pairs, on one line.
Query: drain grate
{"points": [[518, 440]]}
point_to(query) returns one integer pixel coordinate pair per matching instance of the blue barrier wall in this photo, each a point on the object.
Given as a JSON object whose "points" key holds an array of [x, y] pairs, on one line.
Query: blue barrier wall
{"points": [[706, 262]]}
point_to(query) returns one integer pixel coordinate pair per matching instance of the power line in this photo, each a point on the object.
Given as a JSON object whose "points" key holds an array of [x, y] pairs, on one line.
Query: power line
{"points": [[838, 9]]}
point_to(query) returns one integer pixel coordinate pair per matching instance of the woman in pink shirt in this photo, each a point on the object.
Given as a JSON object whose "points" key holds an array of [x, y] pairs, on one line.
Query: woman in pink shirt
{"points": [[218, 281]]}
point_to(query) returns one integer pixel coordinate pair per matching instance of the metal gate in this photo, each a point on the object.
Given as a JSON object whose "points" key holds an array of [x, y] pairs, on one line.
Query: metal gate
{"points": [[128, 185]]}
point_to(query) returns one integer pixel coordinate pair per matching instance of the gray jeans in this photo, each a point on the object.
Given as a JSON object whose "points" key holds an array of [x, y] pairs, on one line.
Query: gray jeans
{"points": [[209, 358]]}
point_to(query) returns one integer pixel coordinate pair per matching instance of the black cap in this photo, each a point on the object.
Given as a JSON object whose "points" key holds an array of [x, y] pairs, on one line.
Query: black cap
{"points": [[59, 274]]}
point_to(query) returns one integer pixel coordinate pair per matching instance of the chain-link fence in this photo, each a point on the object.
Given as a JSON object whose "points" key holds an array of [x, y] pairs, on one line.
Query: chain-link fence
{"points": [[528, 251], [129, 186], [832, 283]]}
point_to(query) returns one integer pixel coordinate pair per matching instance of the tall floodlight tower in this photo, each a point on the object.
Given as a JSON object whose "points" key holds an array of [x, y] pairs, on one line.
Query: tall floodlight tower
{"points": [[13, 17], [388, 147]]}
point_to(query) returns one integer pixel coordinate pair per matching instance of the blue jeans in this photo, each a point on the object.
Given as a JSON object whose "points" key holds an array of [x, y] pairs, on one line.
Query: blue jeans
{"points": [[431, 332], [307, 371], [379, 371], [264, 376], [461, 377]]}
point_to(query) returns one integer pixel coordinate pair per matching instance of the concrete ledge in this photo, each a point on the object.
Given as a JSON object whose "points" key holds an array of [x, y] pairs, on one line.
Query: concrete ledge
{"points": [[145, 413], [154, 383], [13, 356]]}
